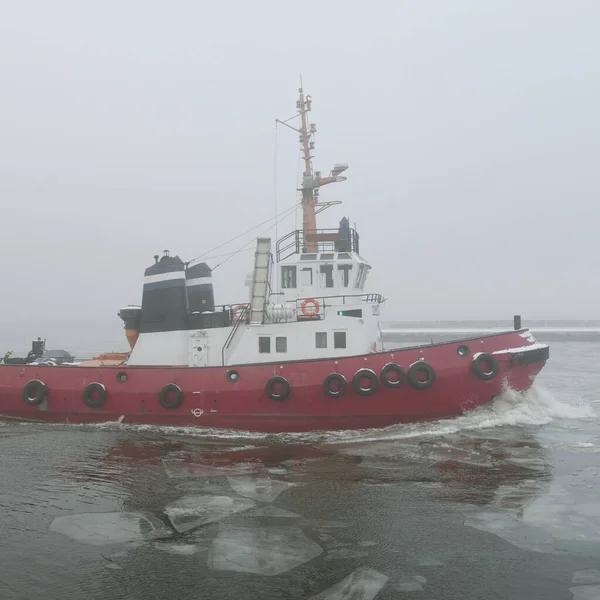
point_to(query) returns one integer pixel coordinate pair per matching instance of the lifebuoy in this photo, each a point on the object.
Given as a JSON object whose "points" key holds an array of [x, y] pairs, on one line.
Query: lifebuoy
{"points": [[37, 387], [239, 312], [341, 385], [365, 374], [484, 366], [416, 372], [94, 395], [285, 388], [164, 396], [307, 302], [397, 370]]}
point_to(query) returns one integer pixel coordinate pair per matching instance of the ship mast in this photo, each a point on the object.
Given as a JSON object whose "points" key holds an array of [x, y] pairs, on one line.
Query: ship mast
{"points": [[311, 182]]}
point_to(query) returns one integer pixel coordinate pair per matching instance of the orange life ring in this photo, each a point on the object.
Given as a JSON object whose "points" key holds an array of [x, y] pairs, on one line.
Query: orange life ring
{"points": [[239, 308], [314, 311]]}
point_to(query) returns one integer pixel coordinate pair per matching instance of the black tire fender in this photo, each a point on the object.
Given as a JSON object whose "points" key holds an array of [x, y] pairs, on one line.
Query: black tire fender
{"points": [[369, 374], [40, 396], [419, 367], [285, 391], [163, 396], [89, 390], [327, 388]]}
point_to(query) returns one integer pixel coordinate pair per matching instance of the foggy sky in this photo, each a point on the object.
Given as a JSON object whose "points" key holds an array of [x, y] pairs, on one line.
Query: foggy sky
{"points": [[126, 127]]}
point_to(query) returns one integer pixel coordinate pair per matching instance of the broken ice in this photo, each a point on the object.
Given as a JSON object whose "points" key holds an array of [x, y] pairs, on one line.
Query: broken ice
{"points": [[267, 551], [101, 529], [190, 512], [362, 584], [259, 488], [586, 576]]}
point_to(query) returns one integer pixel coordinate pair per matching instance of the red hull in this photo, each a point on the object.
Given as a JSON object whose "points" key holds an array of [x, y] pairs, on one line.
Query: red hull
{"points": [[210, 400]]}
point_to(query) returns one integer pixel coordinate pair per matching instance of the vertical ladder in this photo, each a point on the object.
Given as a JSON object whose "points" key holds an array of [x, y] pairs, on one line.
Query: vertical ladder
{"points": [[259, 288]]}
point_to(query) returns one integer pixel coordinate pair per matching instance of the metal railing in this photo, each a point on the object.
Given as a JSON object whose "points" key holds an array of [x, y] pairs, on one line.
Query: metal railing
{"points": [[328, 240]]}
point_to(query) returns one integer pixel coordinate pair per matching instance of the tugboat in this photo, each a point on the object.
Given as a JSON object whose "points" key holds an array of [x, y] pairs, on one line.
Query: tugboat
{"points": [[304, 354]]}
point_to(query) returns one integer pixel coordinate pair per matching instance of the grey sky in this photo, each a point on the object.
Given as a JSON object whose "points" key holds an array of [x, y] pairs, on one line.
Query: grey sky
{"points": [[470, 126]]}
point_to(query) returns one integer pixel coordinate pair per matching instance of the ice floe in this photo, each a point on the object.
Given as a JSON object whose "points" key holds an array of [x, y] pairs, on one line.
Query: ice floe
{"points": [[262, 489], [265, 551], [190, 512], [586, 576], [586, 592], [415, 583], [362, 584], [101, 529]]}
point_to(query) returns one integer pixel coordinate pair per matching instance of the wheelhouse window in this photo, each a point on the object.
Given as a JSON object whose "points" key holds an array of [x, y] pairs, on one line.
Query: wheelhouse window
{"points": [[264, 344], [339, 339], [288, 277], [280, 344], [345, 273], [306, 276], [321, 339], [327, 276]]}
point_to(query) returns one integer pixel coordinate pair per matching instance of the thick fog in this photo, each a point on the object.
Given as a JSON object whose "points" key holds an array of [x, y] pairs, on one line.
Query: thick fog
{"points": [[471, 129]]}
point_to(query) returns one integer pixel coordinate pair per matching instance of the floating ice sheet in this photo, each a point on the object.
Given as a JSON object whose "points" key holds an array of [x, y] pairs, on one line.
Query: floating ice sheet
{"points": [[411, 584], [181, 549], [101, 529], [586, 592], [266, 551], [190, 512], [362, 584], [551, 520], [262, 489], [586, 576]]}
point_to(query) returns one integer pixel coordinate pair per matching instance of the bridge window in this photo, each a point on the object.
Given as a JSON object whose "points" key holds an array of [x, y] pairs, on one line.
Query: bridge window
{"points": [[308, 257], [264, 345], [280, 344], [321, 339], [345, 273], [306, 276], [288, 277], [327, 276], [339, 339]]}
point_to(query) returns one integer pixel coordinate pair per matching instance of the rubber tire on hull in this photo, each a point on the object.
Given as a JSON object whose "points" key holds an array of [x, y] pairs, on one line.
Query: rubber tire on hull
{"points": [[398, 370], [477, 369], [412, 375], [369, 375], [163, 394], [334, 377], [39, 397], [269, 388], [89, 390]]}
